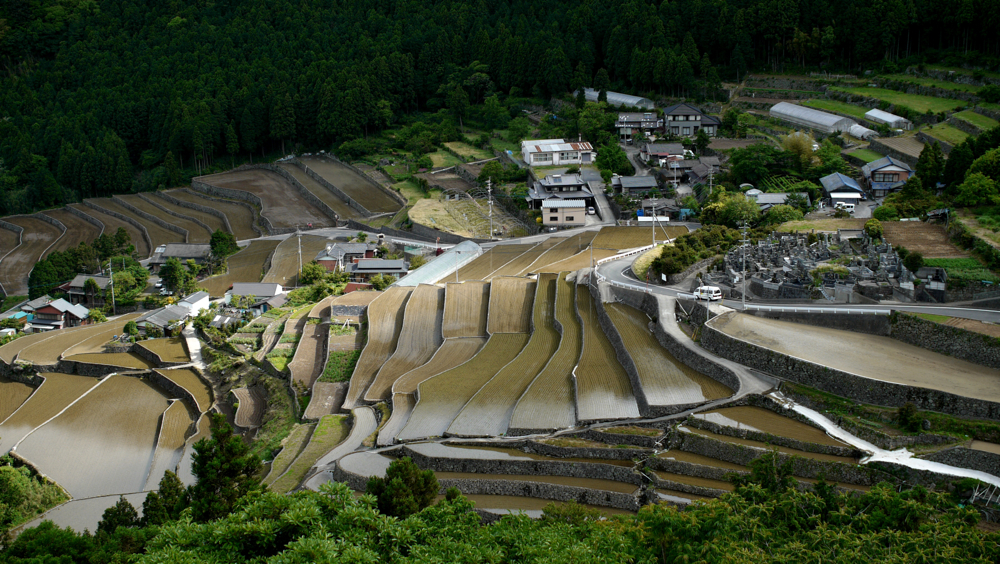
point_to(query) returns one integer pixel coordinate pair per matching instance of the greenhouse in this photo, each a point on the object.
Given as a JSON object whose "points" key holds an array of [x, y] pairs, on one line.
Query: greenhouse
{"points": [[808, 117], [861, 132], [444, 265], [892, 120], [616, 99]]}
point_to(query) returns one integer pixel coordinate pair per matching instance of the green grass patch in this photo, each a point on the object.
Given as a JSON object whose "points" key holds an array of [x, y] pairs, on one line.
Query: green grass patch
{"points": [[967, 269], [915, 102], [294, 338], [340, 366], [290, 450], [866, 155], [442, 158], [947, 133], [329, 432], [634, 431], [978, 120], [837, 106], [503, 145], [30, 493], [468, 151], [11, 301], [933, 317], [934, 83], [569, 442], [279, 419], [410, 191], [397, 171]]}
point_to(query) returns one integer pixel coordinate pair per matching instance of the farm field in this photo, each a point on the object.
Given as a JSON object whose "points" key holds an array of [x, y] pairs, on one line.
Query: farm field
{"points": [[836, 106], [36, 239], [977, 119], [822, 225], [488, 412], [328, 433], [308, 362], [252, 405], [602, 386], [290, 449], [121, 360], [767, 421], [285, 264], [583, 259], [622, 238], [188, 379], [117, 421], [322, 308], [564, 249], [385, 320], [441, 398], [240, 216], [158, 235], [284, 206], [352, 184], [326, 196], [171, 349], [327, 397], [8, 240], [55, 393], [402, 407], [866, 155], [78, 230], [763, 445], [419, 338], [10, 351], [203, 430], [947, 133], [468, 151], [12, 395], [435, 213], [548, 401], [490, 261], [196, 233], [111, 225], [442, 159], [934, 83], [245, 266], [452, 352], [466, 309], [915, 102], [925, 238], [510, 305], [83, 339], [174, 425], [526, 259], [213, 222], [664, 379]]}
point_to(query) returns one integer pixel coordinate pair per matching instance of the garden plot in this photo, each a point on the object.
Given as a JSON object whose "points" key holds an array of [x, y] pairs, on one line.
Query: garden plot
{"points": [[337, 204], [875, 357], [78, 230], [622, 238], [566, 248], [196, 233], [466, 309], [419, 339], [488, 412], [245, 266], [385, 320], [468, 151], [285, 264], [213, 222], [519, 264], [354, 185], [291, 447], [488, 262], [158, 234], [252, 405], [603, 389], [55, 393], [927, 239], [170, 349], [84, 339], [307, 364], [441, 398], [188, 379], [664, 379], [118, 422], [12, 395], [284, 205], [111, 226], [284, 351], [767, 421], [510, 305], [548, 401], [329, 432], [241, 216], [174, 426], [36, 239], [908, 145], [125, 360]]}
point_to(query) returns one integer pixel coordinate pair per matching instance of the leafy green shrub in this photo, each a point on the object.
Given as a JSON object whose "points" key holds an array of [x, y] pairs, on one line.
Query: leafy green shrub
{"points": [[340, 366]]}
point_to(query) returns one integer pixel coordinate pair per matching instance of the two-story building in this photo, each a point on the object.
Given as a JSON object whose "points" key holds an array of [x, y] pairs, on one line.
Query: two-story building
{"points": [[559, 187], [199, 253], [564, 213], [885, 175], [364, 270], [685, 120], [336, 255], [659, 154], [556, 152], [78, 293], [630, 124], [840, 189], [57, 314]]}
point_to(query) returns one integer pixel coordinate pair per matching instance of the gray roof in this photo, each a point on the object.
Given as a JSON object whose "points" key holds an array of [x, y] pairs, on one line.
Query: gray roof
{"points": [[665, 148], [619, 99], [446, 263], [555, 180], [62, 305], [80, 279], [882, 163], [836, 181], [776, 198], [377, 265], [277, 301], [187, 250], [808, 117], [37, 303], [710, 161], [640, 182], [682, 109], [336, 251], [163, 316], [197, 296], [880, 116], [257, 289]]}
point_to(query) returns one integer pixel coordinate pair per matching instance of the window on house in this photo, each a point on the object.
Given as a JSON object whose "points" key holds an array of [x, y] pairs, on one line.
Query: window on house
{"points": [[687, 131], [569, 218], [540, 157], [554, 218], [885, 177], [569, 156], [675, 130]]}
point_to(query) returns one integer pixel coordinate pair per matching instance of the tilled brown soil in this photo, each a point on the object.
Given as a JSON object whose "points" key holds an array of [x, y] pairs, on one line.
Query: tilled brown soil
{"points": [[326, 196], [14, 268], [240, 216], [196, 233], [158, 235], [355, 186], [284, 206], [78, 230], [214, 223], [111, 225]]}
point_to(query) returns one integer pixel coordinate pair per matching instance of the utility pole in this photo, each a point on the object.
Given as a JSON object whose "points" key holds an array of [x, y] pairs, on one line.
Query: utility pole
{"points": [[111, 282], [489, 192], [743, 227], [298, 233]]}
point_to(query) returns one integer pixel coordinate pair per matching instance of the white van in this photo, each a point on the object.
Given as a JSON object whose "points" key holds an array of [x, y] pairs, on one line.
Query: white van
{"points": [[849, 208], [710, 293]]}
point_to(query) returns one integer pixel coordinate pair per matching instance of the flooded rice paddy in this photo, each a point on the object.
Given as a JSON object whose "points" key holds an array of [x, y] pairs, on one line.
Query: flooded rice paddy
{"points": [[85, 514], [55, 393], [385, 320], [444, 450], [184, 467], [121, 360], [171, 349], [466, 308], [188, 379], [511, 301], [985, 446], [174, 426], [12, 395], [694, 481], [603, 389], [760, 419]]}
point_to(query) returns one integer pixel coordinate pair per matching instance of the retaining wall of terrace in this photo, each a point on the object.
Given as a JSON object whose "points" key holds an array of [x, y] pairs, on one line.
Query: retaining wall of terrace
{"points": [[398, 197], [348, 310], [85, 368], [306, 194], [162, 223], [88, 218], [190, 218], [841, 383], [351, 203], [534, 447], [882, 148], [175, 390], [24, 376], [231, 194], [142, 228], [642, 441], [151, 356], [754, 435], [50, 220], [968, 458], [206, 209], [930, 140], [11, 227]]}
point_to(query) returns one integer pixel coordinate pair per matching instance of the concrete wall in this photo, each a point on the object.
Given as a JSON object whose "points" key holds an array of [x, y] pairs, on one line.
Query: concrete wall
{"points": [[176, 391]]}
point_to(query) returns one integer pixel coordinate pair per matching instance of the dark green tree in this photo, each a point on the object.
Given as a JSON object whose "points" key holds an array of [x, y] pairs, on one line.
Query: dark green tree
{"points": [[405, 490], [930, 165], [701, 141], [232, 143], [225, 470], [223, 244], [121, 514], [166, 503], [282, 120], [172, 170], [173, 274]]}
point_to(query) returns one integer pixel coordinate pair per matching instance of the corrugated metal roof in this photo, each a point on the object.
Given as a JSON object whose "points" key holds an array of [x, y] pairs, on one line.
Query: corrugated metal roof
{"points": [[445, 264], [808, 117], [619, 99]]}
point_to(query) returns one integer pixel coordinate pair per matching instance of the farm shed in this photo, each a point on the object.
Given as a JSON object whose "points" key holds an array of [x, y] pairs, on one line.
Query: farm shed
{"points": [[892, 120], [836, 185], [808, 117], [616, 99]]}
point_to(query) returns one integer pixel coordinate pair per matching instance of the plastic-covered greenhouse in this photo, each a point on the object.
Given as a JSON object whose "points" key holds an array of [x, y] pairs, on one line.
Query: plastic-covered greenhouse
{"points": [[892, 120], [447, 263], [616, 99], [808, 117], [861, 132]]}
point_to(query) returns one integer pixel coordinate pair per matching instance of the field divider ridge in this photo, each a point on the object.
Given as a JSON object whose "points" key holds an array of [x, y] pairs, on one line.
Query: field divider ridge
{"points": [[162, 223], [20, 240], [71, 404], [175, 214], [88, 218], [53, 221], [232, 194], [351, 202], [142, 228], [309, 196]]}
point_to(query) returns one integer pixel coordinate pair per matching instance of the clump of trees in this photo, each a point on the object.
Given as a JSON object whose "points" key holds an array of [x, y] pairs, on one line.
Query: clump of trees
{"points": [[60, 267]]}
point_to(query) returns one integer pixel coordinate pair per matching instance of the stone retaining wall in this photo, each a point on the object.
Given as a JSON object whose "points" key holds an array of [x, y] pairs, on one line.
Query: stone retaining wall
{"points": [[968, 458], [134, 223], [253, 211], [306, 194], [175, 214], [841, 383], [679, 277], [768, 438], [88, 218], [231, 194], [610, 438], [151, 356], [162, 223], [27, 377], [952, 341], [175, 390], [963, 125], [534, 447], [50, 220], [930, 140], [86, 368], [351, 203], [392, 194], [12, 227]]}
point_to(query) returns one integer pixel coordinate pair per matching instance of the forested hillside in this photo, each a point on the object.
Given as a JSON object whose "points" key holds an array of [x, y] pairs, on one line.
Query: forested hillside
{"points": [[96, 94]]}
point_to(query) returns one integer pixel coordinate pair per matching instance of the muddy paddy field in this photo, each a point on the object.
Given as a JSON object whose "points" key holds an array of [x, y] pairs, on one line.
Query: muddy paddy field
{"points": [[284, 206]]}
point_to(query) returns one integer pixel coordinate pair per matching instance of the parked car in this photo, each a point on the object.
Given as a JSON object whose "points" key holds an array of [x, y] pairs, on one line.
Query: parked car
{"points": [[591, 210], [166, 292]]}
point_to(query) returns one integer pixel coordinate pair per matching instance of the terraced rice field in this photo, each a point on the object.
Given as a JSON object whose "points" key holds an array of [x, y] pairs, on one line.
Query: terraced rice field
{"points": [[583, 259], [452, 353], [322, 308], [326, 196], [308, 363], [241, 216], [564, 249], [490, 261], [55, 393], [622, 238], [765, 446], [329, 432], [245, 266], [402, 407], [213, 222], [204, 431], [927, 239], [36, 239], [188, 379], [419, 339], [10, 351], [760, 419], [327, 397], [78, 230], [354, 185], [519, 264], [358, 297], [664, 379], [121, 360], [385, 320], [590, 483], [158, 235], [488, 413], [174, 425], [117, 421], [693, 481], [603, 389], [285, 264], [8, 240], [12, 395], [441, 398], [290, 450], [284, 205], [253, 404], [466, 309], [511, 300], [196, 233], [548, 401], [85, 339], [111, 225], [171, 349]]}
